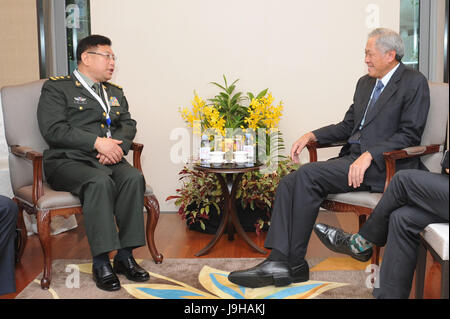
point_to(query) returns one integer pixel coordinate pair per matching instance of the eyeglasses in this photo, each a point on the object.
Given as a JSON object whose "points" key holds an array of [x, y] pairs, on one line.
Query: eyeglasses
{"points": [[106, 55]]}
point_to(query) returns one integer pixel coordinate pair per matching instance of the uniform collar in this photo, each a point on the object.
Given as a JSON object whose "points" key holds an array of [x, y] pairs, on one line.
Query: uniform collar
{"points": [[86, 79]]}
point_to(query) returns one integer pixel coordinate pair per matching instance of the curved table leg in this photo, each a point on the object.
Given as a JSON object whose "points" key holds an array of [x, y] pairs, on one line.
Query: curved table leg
{"points": [[223, 222], [235, 220], [229, 217]]}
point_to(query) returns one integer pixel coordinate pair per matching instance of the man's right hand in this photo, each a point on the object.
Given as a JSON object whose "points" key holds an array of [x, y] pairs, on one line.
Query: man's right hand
{"points": [[109, 148], [300, 144]]}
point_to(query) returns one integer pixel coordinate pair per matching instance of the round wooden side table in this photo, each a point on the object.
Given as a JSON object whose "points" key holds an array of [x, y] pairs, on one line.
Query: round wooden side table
{"points": [[229, 189]]}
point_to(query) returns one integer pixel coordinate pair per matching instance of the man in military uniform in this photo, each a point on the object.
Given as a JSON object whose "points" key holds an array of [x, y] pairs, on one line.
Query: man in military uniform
{"points": [[86, 122]]}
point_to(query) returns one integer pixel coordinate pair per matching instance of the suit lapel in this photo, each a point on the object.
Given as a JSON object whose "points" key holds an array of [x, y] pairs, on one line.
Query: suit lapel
{"points": [[366, 92], [388, 91]]}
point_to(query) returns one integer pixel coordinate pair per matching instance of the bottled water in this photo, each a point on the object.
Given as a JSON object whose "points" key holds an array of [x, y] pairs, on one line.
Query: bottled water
{"points": [[205, 149], [249, 147]]}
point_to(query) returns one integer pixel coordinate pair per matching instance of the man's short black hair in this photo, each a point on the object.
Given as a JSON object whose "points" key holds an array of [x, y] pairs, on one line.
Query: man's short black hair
{"points": [[90, 42]]}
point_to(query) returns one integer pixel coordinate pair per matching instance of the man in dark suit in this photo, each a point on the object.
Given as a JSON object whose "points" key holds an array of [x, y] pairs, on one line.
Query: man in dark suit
{"points": [[87, 124], [413, 200], [389, 111], [8, 220]]}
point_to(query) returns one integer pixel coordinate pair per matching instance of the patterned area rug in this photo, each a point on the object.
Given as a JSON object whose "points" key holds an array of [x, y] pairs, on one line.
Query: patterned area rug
{"points": [[205, 278]]}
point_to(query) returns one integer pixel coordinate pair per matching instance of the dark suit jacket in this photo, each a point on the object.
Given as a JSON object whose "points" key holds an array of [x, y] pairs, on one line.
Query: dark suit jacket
{"points": [[70, 120], [396, 121], [8, 220]]}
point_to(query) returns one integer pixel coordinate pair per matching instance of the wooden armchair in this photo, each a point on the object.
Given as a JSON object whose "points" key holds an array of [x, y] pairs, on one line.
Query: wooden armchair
{"points": [[431, 148], [31, 192]]}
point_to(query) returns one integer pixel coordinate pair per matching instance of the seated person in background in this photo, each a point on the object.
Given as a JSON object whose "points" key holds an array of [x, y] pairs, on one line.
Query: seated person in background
{"points": [[412, 200], [8, 220], [389, 111], [86, 122]]}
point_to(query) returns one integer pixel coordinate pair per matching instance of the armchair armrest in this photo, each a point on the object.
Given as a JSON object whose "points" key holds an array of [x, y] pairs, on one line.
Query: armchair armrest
{"points": [[389, 157], [409, 152], [313, 146], [36, 158], [137, 152]]}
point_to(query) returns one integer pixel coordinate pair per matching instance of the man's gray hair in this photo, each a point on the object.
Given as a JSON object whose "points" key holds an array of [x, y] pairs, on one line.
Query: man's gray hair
{"points": [[389, 40]]}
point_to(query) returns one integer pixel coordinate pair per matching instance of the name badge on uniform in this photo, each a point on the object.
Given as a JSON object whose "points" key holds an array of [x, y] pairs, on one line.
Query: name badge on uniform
{"points": [[113, 101], [79, 100]]}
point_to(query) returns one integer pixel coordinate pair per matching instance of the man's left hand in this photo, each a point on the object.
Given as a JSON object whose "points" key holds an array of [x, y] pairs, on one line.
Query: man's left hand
{"points": [[358, 169]]}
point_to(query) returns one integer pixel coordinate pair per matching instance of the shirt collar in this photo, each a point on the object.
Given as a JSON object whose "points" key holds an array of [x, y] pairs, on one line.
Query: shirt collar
{"points": [[385, 79], [86, 79]]}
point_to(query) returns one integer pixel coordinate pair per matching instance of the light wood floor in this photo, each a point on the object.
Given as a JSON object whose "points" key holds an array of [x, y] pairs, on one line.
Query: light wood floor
{"points": [[173, 240]]}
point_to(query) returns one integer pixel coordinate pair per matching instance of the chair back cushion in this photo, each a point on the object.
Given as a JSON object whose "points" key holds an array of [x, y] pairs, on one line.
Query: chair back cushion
{"points": [[19, 103], [435, 128]]}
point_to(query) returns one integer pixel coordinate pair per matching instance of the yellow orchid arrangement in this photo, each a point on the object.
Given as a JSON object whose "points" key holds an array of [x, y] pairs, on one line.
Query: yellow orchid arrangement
{"points": [[255, 114], [262, 113], [208, 115], [227, 110]]}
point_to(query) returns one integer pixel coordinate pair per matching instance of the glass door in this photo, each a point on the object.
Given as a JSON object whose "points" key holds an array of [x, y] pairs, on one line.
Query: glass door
{"points": [[410, 31], [78, 26]]}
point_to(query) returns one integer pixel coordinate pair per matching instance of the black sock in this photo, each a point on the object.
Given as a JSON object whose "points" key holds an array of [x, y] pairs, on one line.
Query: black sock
{"points": [[124, 253], [100, 260], [295, 261], [276, 255]]}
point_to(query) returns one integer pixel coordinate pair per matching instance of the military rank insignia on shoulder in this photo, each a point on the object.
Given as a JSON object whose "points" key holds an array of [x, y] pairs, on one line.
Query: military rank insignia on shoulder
{"points": [[59, 78], [113, 84]]}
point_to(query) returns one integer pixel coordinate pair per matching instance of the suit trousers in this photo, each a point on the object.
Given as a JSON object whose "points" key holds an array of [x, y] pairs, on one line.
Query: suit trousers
{"points": [[8, 220], [297, 203], [112, 203], [413, 200]]}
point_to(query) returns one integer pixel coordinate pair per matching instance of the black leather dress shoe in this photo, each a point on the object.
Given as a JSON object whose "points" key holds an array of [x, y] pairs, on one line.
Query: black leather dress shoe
{"points": [[131, 270], [269, 272], [105, 278], [300, 273], [339, 241]]}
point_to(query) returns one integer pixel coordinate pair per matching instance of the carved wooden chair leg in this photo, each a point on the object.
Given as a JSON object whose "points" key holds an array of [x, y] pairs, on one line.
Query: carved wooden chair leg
{"points": [[376, 256], [22, 240], [361, 220], [152, 206], [43, 227]]}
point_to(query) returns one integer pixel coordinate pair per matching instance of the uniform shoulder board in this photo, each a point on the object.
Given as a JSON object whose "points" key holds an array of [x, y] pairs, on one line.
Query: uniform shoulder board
{"points": [[58, 78], [113, 84]]}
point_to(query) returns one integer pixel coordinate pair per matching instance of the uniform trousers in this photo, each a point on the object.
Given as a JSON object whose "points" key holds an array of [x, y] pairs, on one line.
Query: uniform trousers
{"points": [[112, 202], [8, 220], [412, 200], [297, 203]]}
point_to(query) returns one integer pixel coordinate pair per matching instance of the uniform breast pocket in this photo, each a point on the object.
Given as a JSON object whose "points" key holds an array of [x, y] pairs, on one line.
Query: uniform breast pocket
{"points": [[79, 114], [118, 112]]}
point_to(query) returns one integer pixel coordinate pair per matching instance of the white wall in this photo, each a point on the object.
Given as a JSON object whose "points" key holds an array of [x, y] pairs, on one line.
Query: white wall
{"points": [[309, 53]]}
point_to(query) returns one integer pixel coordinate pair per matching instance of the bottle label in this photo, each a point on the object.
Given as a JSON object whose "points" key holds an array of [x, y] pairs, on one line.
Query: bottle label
{"points": [[204, 153], [249, 150]]}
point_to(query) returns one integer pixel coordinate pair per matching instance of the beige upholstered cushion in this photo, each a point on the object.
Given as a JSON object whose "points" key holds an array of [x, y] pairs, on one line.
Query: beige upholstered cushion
{"points": [[51, 199], [436, 235], [54, 199], [365, 199], [148, 191]]}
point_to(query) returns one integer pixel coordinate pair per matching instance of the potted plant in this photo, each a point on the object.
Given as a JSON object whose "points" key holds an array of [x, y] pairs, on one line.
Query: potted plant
{"points": [[200, 196]]}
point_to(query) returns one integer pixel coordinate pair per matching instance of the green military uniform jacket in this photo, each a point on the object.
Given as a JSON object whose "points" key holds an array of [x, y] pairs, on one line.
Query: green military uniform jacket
{"points": [[71, 119]]}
